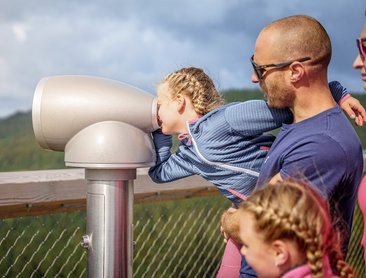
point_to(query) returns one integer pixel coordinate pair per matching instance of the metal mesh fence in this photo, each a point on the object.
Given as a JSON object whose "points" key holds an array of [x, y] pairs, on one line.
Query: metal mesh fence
{"points": [[355, 251], [179, 239], [173, 239], [42, 246]]}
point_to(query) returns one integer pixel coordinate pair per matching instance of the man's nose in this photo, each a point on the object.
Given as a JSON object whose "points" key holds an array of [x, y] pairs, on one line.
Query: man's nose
{"points": [[254, 77]]}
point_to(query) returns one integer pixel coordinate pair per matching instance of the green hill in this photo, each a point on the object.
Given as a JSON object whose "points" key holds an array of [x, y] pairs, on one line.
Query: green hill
{"points": [[20, 151]]}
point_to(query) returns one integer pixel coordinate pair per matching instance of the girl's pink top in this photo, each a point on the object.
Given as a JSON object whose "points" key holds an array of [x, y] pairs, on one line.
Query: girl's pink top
{"points": [[304, 271], [362, 205]]}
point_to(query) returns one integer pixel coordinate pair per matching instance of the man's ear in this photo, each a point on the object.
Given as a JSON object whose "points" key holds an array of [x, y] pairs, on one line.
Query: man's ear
{"points": [[281, 252], [297, 71]]}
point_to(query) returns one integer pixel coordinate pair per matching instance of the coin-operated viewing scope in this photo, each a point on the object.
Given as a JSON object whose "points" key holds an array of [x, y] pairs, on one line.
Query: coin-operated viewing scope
{"points": [[87, 117], [103, 126]]}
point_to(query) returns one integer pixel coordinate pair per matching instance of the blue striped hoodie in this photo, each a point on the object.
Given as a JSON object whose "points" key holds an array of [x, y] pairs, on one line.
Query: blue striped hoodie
{"points": [[227, 146]]}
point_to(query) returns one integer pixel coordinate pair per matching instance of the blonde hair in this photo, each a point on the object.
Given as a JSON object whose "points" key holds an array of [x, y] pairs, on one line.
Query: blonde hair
{"points": [[292, 210], [196, 84]]}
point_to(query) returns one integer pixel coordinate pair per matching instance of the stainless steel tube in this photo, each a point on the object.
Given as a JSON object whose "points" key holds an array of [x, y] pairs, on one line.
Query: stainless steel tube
{"points": [[109, 222]]}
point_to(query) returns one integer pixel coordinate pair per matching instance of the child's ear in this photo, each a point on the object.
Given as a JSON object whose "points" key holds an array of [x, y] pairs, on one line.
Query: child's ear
{"points": [[181, 101], [281, 252]]}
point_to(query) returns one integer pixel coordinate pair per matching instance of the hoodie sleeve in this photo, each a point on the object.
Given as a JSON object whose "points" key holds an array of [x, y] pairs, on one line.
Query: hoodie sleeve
{"points": [[339, 92], [168, 167], [254, 117]]}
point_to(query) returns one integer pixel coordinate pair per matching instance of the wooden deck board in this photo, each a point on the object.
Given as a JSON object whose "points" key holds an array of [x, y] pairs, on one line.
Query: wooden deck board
{"points": [[47, 191]]}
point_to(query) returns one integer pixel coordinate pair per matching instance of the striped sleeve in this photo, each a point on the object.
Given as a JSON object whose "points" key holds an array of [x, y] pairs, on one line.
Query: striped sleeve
{"points": [[168, 167], [339, 92], [254, 117]]}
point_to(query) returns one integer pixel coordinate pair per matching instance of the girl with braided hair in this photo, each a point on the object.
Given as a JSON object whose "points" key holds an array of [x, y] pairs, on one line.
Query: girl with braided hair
{"points": [[285, 231], [225, 144]]}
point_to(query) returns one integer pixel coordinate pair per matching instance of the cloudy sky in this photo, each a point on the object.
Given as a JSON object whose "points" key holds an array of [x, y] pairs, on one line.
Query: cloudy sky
{"points": [[140, 41]]}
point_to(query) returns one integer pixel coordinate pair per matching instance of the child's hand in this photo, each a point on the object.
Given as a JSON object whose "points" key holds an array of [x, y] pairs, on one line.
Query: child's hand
{"points": [[226, 236], [354, 109], [230, 224]]}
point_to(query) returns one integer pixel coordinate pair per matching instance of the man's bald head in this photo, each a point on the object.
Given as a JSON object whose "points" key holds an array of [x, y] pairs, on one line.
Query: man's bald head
{"points": [[300, 36]]}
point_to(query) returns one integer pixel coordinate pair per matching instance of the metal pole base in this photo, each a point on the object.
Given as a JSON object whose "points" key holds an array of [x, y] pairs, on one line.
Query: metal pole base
{"points": [[109, 222]]}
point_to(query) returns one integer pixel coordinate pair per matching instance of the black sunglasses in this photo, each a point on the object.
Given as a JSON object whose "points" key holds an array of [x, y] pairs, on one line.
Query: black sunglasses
{"points": [[261, 69], [361, 44]]}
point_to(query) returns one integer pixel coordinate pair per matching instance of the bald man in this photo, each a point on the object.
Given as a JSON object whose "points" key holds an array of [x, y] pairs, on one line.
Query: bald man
{"points": [[290, 64]]}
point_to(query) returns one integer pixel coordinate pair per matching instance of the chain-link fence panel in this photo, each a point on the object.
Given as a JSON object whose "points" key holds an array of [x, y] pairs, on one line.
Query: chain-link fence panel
{"points": [[173, 239], [178, 238], [43, 246], [355, 251]]}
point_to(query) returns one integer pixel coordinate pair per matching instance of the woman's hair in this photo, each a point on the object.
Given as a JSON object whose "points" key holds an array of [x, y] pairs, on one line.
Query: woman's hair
{"points": [[294, 211], [196, 84]]}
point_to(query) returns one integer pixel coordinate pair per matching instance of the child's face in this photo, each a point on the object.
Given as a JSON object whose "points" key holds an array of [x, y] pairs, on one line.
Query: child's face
{"points": [[167, 110], [259, 255]]}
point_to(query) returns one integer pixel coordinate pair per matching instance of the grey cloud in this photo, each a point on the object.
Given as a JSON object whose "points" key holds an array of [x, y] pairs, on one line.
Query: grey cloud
{"points": [[138, 42]]}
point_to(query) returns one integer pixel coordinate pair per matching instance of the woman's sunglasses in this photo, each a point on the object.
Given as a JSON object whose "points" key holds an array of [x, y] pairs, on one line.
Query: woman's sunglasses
{"points": [[361, 44]]}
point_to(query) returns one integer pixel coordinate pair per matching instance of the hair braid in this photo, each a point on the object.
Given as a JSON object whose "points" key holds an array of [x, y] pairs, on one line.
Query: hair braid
{"points": [[287, 210], [336, 257], [196, 84], [314, 254], [291, 226]]}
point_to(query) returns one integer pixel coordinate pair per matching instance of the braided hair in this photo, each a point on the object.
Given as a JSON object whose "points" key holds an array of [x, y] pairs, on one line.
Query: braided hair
{"points": [[196, 84], [294, 211]]}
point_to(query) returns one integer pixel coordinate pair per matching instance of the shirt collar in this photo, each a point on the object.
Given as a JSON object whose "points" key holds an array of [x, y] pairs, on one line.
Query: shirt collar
{"points": [[185, 135]]}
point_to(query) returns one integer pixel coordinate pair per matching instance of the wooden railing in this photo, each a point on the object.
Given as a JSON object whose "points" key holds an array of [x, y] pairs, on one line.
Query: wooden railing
{"points": [[49, 191]]}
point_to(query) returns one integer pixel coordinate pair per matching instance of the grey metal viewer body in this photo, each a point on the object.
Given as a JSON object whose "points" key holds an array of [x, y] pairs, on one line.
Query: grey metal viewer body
{"points": [[103, 126]]}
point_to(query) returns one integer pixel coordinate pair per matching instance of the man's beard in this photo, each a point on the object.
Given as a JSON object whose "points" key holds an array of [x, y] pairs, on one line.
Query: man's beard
{"points": [[278, 96]]}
